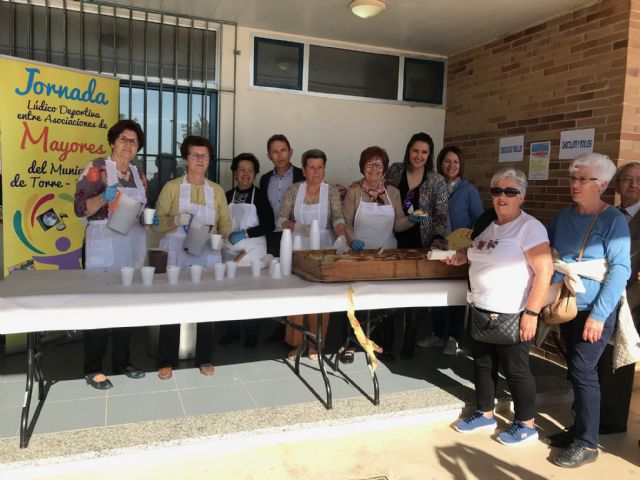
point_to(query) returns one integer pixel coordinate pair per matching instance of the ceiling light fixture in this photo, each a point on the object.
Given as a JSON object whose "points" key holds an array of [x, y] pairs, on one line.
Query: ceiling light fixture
{"points": [[367, 8]]}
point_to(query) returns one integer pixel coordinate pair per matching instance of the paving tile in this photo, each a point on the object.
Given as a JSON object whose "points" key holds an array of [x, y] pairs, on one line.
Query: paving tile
{"points": [[264, 370], [12, 394], [10, 421], [288, 391], [71, 390], [142, 407], [122, 385], [216, 399], [191, 377], [70, 415]]}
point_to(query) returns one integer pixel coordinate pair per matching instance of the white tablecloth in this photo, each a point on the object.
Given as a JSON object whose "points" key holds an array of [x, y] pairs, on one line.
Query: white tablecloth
{"points": [[82, 300]]}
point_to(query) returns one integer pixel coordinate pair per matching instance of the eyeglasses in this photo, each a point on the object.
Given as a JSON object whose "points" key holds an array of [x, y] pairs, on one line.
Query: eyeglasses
{"points": [[371, 166], [245, 171], [509, 192], [629, 179], [581, 180], [199, 156], [128, 141], [408, 201]]}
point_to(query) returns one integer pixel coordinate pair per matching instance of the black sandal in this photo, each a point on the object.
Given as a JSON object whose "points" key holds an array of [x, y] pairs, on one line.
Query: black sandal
{"points": [[104, 385], [347, 356]]}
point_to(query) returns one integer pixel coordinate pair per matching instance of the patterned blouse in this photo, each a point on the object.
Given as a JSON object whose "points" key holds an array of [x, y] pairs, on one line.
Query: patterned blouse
{"points": [[289, 200], [92, 182], [434, 199]]}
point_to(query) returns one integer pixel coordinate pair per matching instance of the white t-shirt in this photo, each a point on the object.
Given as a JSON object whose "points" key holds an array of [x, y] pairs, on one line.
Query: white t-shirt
{"points": [[499, 273]]}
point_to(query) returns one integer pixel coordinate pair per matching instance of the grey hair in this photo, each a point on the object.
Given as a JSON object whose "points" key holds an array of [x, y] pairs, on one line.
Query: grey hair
{"points": [[603, 168], [623, 168], [313, 153], [509, 172]]}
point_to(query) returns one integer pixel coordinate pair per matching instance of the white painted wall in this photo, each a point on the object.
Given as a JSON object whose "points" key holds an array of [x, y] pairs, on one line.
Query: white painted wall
{"points": [[342, 128]]}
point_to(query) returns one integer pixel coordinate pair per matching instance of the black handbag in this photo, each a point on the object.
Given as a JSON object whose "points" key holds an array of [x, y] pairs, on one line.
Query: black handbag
{"points": [[495, 328]]}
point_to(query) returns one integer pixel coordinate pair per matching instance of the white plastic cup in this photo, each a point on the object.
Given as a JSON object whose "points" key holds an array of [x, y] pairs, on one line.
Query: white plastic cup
{"points": [[256, 267], [297, 243], [173, 273], [218, 271], [147, 275], [231, 269], [127, 275], [148, 215], [273, 264], [196, 273], [215, 239], [276, 273]]}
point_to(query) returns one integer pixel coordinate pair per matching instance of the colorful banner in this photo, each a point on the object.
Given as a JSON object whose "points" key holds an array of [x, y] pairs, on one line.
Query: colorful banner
{"points": [[53, 121]]}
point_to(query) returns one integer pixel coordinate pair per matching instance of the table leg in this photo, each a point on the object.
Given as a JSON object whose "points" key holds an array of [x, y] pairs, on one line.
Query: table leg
{"points": [[24, 420], [37, 356], [325, 377]]}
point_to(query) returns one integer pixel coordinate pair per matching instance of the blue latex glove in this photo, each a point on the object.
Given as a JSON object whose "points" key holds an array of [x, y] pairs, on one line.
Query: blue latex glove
{"points": [[415, 218], [110, 193], [156, 220], [235, 237], [357, 245]]}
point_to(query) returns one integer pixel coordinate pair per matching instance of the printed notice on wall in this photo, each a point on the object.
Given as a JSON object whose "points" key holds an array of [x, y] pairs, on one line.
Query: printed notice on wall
{"points": [[511, 149], [576, 142], [539, 155]]}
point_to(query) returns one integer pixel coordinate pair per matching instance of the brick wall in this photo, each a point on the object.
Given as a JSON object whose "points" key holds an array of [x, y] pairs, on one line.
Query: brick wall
{"points": [[566, 73]]}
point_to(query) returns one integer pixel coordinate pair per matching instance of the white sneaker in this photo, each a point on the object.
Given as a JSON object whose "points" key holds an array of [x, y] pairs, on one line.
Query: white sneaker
{"points": [[451, 348], [431, 341]]}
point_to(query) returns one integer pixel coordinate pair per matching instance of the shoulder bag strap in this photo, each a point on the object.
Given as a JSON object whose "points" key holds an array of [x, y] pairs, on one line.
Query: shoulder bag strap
{"points": [[586, 236]]}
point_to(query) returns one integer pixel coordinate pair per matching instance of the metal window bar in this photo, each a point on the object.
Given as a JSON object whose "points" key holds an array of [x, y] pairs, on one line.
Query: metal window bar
{"points": [[104, 10]]}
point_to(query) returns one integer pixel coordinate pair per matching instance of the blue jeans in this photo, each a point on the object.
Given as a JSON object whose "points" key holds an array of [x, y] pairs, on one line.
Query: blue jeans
{"points": [[582, 362]]}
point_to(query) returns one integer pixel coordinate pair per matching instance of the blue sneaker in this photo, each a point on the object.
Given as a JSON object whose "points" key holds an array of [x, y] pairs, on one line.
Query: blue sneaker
{"points": [[477, 421], [517, 434]]}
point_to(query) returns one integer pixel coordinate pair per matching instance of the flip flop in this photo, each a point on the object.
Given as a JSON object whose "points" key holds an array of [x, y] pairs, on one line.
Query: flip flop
{"points": [[103, 385]]}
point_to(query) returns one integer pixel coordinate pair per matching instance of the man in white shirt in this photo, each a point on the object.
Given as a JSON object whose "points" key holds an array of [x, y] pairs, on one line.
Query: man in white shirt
{"points": [[617, 387]]}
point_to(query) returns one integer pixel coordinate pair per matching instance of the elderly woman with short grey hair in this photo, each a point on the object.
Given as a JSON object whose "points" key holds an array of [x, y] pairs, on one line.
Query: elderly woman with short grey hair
{"points": [[509, 274], [590, 232], [303, 202]]}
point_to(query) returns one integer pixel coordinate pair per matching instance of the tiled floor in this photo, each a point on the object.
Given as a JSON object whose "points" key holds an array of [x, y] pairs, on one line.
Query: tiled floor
{"points": [[244, 379]]}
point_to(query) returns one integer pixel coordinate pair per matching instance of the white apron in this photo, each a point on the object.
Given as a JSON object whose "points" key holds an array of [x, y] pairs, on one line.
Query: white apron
{"points": [[373, 224], [305, 214], [108, 249], [173, 243], [243, 217]]}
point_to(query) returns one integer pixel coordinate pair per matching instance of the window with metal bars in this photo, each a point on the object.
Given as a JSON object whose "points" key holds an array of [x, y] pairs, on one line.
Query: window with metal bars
{"points": [[166, 64]]}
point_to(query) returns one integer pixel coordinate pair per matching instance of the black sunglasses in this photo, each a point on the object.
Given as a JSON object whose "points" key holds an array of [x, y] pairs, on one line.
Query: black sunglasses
{"points": [[509, 192]]}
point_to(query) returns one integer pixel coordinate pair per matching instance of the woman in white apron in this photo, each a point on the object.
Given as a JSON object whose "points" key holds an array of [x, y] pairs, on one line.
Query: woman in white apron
{"points": [[372, 212], [304, 202], [106, 249], [183, 202], [252, 219]]}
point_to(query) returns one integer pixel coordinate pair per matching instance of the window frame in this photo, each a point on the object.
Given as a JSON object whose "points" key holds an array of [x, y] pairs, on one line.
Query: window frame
{"points": [[423, 61], [307, 42], [272, 41]]}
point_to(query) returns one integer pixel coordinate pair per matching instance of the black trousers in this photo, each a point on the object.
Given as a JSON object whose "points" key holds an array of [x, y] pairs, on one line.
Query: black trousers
{"points": [[514, 362], [250, 327], [448, 322], [95, 346], [169, 344], [615, 393]]}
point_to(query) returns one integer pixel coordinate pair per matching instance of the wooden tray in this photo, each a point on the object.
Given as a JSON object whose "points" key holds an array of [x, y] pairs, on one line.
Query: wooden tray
{"points": [[326, 266]]}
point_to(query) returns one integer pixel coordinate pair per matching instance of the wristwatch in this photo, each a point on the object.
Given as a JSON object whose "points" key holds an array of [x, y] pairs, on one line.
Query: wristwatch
{"points": [[531, 312]]}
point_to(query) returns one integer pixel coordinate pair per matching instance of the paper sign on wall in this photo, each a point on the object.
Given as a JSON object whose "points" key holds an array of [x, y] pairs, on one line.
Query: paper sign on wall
{"points": [[511, 149], [576, 142], [539, 154]]}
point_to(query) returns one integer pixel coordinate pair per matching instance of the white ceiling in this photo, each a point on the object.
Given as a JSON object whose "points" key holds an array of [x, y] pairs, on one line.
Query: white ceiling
{"points": [[442, 27]]}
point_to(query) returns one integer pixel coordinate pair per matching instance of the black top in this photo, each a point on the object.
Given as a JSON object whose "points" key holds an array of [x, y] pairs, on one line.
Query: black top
{"points": [[409, 238], [263, 207]]}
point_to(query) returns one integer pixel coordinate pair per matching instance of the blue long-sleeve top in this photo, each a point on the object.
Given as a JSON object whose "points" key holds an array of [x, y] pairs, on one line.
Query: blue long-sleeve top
{"points": [[465, 205], [609, 239]]}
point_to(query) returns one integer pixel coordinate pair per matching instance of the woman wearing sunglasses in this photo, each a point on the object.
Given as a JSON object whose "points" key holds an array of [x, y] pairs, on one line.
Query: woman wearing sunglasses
{"points": [[422, 190], [509, 273], [607, 247]]}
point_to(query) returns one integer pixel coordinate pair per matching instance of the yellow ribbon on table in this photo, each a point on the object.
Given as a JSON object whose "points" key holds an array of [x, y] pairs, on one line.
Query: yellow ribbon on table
{"points": [[369, 346]]}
